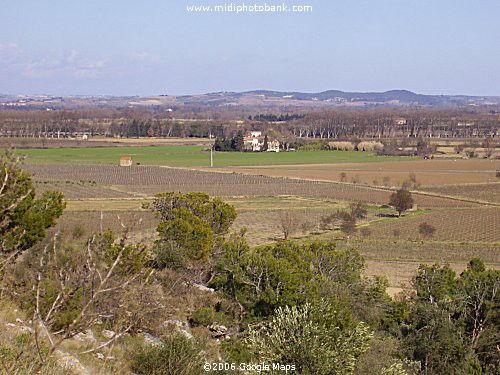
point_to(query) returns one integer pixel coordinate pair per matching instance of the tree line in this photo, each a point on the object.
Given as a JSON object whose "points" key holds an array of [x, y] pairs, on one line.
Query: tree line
{"points": [[341, 123]]}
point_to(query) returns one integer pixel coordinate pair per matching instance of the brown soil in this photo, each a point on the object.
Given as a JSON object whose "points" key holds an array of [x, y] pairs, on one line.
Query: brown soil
{"points": [[428, 172]]}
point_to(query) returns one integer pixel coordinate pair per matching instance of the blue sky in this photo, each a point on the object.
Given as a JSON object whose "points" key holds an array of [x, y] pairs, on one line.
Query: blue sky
{"points": [[152, 47]]}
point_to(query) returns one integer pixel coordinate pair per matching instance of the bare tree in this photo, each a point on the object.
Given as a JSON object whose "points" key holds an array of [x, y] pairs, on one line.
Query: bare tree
{"points": [[358, 210], [96, 286], [386, 180], [348, 224], [289, 223]]}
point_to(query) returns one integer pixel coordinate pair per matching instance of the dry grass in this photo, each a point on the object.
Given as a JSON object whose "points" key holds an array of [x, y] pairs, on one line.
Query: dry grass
{"points": [[80, 225]]}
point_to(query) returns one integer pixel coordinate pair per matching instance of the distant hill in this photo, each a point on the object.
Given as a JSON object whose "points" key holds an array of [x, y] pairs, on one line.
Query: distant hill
{"points": [[256, 98], [337, 97]]}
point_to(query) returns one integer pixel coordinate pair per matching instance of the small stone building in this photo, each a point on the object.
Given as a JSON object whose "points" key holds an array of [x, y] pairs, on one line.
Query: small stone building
{"points": [[125, 161]]}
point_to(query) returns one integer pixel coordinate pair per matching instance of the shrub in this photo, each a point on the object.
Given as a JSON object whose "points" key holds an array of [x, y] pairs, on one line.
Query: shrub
{"points": [[25, 218], [358, 209], [370, 146], [316, 338], [341, 146], [356, 179], [205, 316], [77, 232], [169, 255], [191, 224], [426, 230], [365, 232], [314, 146], [178, 355]]}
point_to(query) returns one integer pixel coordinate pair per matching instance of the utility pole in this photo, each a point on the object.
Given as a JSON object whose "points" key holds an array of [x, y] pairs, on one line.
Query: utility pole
{"points": [[211, 151]]}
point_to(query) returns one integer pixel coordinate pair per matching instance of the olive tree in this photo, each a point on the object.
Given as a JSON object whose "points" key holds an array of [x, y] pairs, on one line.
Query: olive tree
{"points": [[318, 338]]}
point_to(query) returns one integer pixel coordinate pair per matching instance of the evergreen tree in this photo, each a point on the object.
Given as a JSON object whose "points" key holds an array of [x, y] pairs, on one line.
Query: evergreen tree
{"points": [[23, 217], [265, 145], [238, 142]]}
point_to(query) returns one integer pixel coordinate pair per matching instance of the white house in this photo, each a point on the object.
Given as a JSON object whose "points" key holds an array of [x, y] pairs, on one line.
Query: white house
{"points": [[273, 146], [255, 141]]}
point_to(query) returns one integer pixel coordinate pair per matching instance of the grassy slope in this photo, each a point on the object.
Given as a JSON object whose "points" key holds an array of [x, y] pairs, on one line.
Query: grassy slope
{"points": [[190, 156]]}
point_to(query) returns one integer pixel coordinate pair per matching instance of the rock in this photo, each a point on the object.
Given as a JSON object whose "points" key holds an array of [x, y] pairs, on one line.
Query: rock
{"points": [[218, 331], [152, 340], [69, 363], [87, 336], [204, 288], [10, 325], [108, 334], [27, 329], [100, 356], [186, 333], [178, 326], [174, 322]]}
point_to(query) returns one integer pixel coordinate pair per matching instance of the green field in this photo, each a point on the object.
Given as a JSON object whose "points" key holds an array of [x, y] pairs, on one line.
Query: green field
{"points": [[191, 156]]}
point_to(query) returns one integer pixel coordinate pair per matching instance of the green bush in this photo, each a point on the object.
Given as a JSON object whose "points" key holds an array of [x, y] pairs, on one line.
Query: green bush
{"points": [[206, 315], [177, 356], [314, 146], [169, 255]]}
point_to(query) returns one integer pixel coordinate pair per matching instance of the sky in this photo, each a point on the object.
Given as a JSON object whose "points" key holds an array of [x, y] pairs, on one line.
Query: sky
{"points": [[153, 47]]}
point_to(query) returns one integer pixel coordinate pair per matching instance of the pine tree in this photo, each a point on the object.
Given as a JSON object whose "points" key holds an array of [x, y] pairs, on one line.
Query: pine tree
{"points": [[265, 145]]}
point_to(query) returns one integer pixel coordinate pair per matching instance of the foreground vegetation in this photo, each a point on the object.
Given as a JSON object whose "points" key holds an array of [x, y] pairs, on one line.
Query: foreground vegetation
{"points": [[201, 294]]}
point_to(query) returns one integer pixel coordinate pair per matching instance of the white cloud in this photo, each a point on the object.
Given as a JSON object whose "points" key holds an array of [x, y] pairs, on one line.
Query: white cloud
{"points": [[69, 64], [9, 52], [91, 69], [144, 57], [72, 55]]}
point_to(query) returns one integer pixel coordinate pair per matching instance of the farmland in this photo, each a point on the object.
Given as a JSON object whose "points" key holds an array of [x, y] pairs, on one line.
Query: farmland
{"points": [[458, 198], [149, 180], [94, 142], [428, 172], [191, 156], [109, 196], [478, 225], [489, 192]]}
